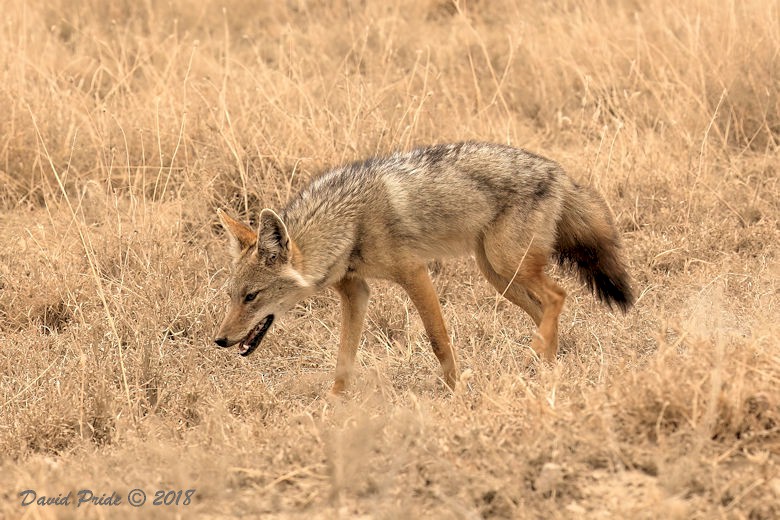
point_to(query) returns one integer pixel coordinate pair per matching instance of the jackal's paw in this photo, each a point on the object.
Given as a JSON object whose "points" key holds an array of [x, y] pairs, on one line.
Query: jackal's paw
{"points": [[338, 390], [451, 378], [545, 352]]}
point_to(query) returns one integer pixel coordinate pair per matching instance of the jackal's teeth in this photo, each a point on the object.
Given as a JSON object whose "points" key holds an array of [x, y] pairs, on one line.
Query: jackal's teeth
{"points": [[255, 336]]}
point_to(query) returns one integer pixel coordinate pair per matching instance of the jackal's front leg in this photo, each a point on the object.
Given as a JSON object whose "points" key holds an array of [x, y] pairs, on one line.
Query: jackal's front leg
{"points": [[354, 300], [417, 284]]}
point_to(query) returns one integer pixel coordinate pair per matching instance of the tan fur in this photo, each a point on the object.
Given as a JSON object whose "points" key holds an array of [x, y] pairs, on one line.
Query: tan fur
{"points": [[386, 218]]}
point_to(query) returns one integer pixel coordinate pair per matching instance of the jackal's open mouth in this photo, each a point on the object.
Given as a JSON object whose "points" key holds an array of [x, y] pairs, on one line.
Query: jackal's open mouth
{"points": [[255, 336]]}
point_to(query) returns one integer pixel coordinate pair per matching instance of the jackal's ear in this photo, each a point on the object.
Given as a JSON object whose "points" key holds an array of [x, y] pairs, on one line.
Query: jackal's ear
{"points": [[273, 241], [240, 235]]}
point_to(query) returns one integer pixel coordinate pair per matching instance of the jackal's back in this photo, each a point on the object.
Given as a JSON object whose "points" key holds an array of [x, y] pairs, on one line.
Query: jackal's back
{"points": [[434, 200]]}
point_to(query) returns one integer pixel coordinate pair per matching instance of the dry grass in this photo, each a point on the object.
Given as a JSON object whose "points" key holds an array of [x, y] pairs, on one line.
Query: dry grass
{"points": [[125, 127]]}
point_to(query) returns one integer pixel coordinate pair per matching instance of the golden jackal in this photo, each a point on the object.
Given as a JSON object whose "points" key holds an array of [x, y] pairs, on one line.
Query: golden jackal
{"points": [[387, 217]]}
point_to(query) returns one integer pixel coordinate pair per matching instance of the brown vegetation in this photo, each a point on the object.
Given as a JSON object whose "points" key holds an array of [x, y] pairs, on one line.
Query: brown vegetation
{"points": [[127, 124]]}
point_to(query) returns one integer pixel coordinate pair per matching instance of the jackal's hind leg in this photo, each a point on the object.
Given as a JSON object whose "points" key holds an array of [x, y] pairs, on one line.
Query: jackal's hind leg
{"points": [[525, 267], [552, 297], [509, 288]]}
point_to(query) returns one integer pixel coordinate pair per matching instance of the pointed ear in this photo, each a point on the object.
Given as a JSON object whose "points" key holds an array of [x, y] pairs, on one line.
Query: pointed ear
{"points": [[273, 241], [240, 235]]}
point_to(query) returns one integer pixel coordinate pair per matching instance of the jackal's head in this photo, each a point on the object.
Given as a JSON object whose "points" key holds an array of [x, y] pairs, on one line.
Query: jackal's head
{"points": [[264, 283]]}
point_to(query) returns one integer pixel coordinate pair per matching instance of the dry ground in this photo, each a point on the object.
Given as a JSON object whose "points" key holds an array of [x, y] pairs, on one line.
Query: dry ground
{"points": [[126, 124]]}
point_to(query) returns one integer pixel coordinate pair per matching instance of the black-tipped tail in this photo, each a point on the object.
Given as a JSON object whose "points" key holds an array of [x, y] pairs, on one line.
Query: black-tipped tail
{"points": [[588, 241], [606, 278]]}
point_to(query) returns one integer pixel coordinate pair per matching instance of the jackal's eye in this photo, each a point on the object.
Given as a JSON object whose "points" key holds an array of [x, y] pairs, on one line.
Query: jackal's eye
{"points": [[250, 297]]}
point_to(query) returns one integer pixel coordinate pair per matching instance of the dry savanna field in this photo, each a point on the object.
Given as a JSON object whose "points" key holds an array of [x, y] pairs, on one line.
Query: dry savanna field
{"points": [[125, 125]]}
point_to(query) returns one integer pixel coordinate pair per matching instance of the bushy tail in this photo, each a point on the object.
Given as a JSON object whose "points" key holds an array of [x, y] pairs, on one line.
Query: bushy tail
{"points": [[587, 239]]}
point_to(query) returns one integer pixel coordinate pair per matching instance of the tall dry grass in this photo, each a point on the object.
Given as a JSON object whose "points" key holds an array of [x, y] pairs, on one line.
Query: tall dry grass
{"points": [[126, 124]]}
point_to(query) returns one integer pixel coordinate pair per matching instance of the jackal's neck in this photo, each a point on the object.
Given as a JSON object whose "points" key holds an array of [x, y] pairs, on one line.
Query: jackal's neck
{"points": [[322, 243], [322, 220]]}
